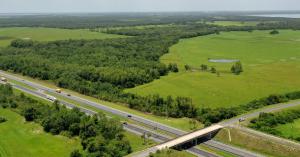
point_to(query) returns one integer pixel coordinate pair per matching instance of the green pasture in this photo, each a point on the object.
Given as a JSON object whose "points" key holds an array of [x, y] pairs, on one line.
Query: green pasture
{"points": [[290, 129], [48, 34], [23, 139], [271, 65]]}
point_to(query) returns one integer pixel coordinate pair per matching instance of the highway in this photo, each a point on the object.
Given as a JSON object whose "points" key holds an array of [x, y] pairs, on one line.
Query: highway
{"points": [[128, 127], [175, 131]]}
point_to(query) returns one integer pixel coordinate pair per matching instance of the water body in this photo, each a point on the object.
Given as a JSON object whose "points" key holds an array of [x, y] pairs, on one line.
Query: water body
{"points": [[279, 15]]}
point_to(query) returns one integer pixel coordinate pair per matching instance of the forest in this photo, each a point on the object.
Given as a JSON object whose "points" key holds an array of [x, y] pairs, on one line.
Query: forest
{"points": [[99, 135], [104, 68]]}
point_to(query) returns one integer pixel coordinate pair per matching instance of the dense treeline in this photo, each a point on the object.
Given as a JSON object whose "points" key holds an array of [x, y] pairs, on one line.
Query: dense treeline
{"points": [[99, 135], [74, 21], [267, 122]]}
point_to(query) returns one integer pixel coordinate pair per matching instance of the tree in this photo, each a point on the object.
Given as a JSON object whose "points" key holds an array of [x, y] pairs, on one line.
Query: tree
{"points": [[30, 113], [203, 67], [144, 137], [173, 67], [2, 119], [213, 70], [274, 32], [75, 153], [237, 68], [187, 67]]}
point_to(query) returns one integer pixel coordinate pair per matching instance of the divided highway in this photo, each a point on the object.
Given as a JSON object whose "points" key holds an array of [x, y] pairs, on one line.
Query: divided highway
{"points": [[175, 131], [128, 127]]}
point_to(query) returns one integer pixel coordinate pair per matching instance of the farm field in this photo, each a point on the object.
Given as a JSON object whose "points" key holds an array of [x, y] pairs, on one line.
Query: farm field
{"points": [[48, 34], [19, 137], [271, 65]]}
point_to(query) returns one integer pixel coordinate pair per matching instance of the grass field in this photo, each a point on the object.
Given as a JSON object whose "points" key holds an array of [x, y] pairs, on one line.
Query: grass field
{"points": [[48, 34], [22, 139], [271, 65]]}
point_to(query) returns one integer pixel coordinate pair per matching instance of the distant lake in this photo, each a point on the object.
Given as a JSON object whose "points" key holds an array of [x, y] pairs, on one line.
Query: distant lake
{"points": [[279, 15]]}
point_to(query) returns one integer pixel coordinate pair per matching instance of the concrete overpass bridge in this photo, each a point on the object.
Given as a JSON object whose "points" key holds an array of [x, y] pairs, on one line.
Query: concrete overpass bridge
{"points": [[183, 141]]}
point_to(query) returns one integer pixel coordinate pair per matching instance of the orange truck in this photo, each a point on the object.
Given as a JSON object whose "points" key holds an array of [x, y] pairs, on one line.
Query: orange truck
{"points": [[3, 79], [58, 90]]}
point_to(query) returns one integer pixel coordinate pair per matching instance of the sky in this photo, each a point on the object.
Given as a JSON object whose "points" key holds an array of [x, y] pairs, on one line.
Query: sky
{"points": [[60, 6]]}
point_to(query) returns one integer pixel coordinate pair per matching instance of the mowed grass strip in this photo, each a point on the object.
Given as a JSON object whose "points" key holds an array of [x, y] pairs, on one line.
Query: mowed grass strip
{"points": [[271, 65], [48, 34], [24, 139]]}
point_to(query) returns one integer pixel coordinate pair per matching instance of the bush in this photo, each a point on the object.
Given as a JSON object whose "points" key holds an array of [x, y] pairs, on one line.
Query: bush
{"points": [[2, 119], [75, 153], [274, 32], [237, 68], [19, 43]]}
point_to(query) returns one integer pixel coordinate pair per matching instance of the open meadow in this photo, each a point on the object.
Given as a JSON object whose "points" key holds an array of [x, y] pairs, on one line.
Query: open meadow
{"points": [[18, 138], [48, 34], [271, 65]]}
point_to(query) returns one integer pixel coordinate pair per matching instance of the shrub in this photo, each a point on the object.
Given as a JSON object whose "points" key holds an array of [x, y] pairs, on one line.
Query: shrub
{"points": [[274, 32], [2, 119]]}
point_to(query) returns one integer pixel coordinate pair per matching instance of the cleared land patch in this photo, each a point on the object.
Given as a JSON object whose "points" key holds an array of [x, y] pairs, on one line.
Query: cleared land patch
{"points": [[23, 139], [270, 62], [48, 34]]}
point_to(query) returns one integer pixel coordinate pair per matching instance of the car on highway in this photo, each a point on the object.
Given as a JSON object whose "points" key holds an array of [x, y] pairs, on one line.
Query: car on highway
{"points": [[58, 90], [3, 79], [242, 119], [52, 98]]}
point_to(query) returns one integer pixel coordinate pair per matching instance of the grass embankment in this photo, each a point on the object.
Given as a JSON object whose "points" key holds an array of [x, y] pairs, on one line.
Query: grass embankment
{"points": [[270, 62], [23, 139], [257, 143], [48, 34], [172, 153], [216, 151], [290, 130], [180, 123], [137, 143]]}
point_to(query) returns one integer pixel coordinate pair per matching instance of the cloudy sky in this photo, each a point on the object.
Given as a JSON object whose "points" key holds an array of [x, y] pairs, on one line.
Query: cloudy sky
{"points": [[25, 6]]}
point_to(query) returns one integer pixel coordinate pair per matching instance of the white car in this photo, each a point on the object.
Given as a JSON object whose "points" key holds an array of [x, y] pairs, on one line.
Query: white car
{"points": [[52, 98], [242, 119]]}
